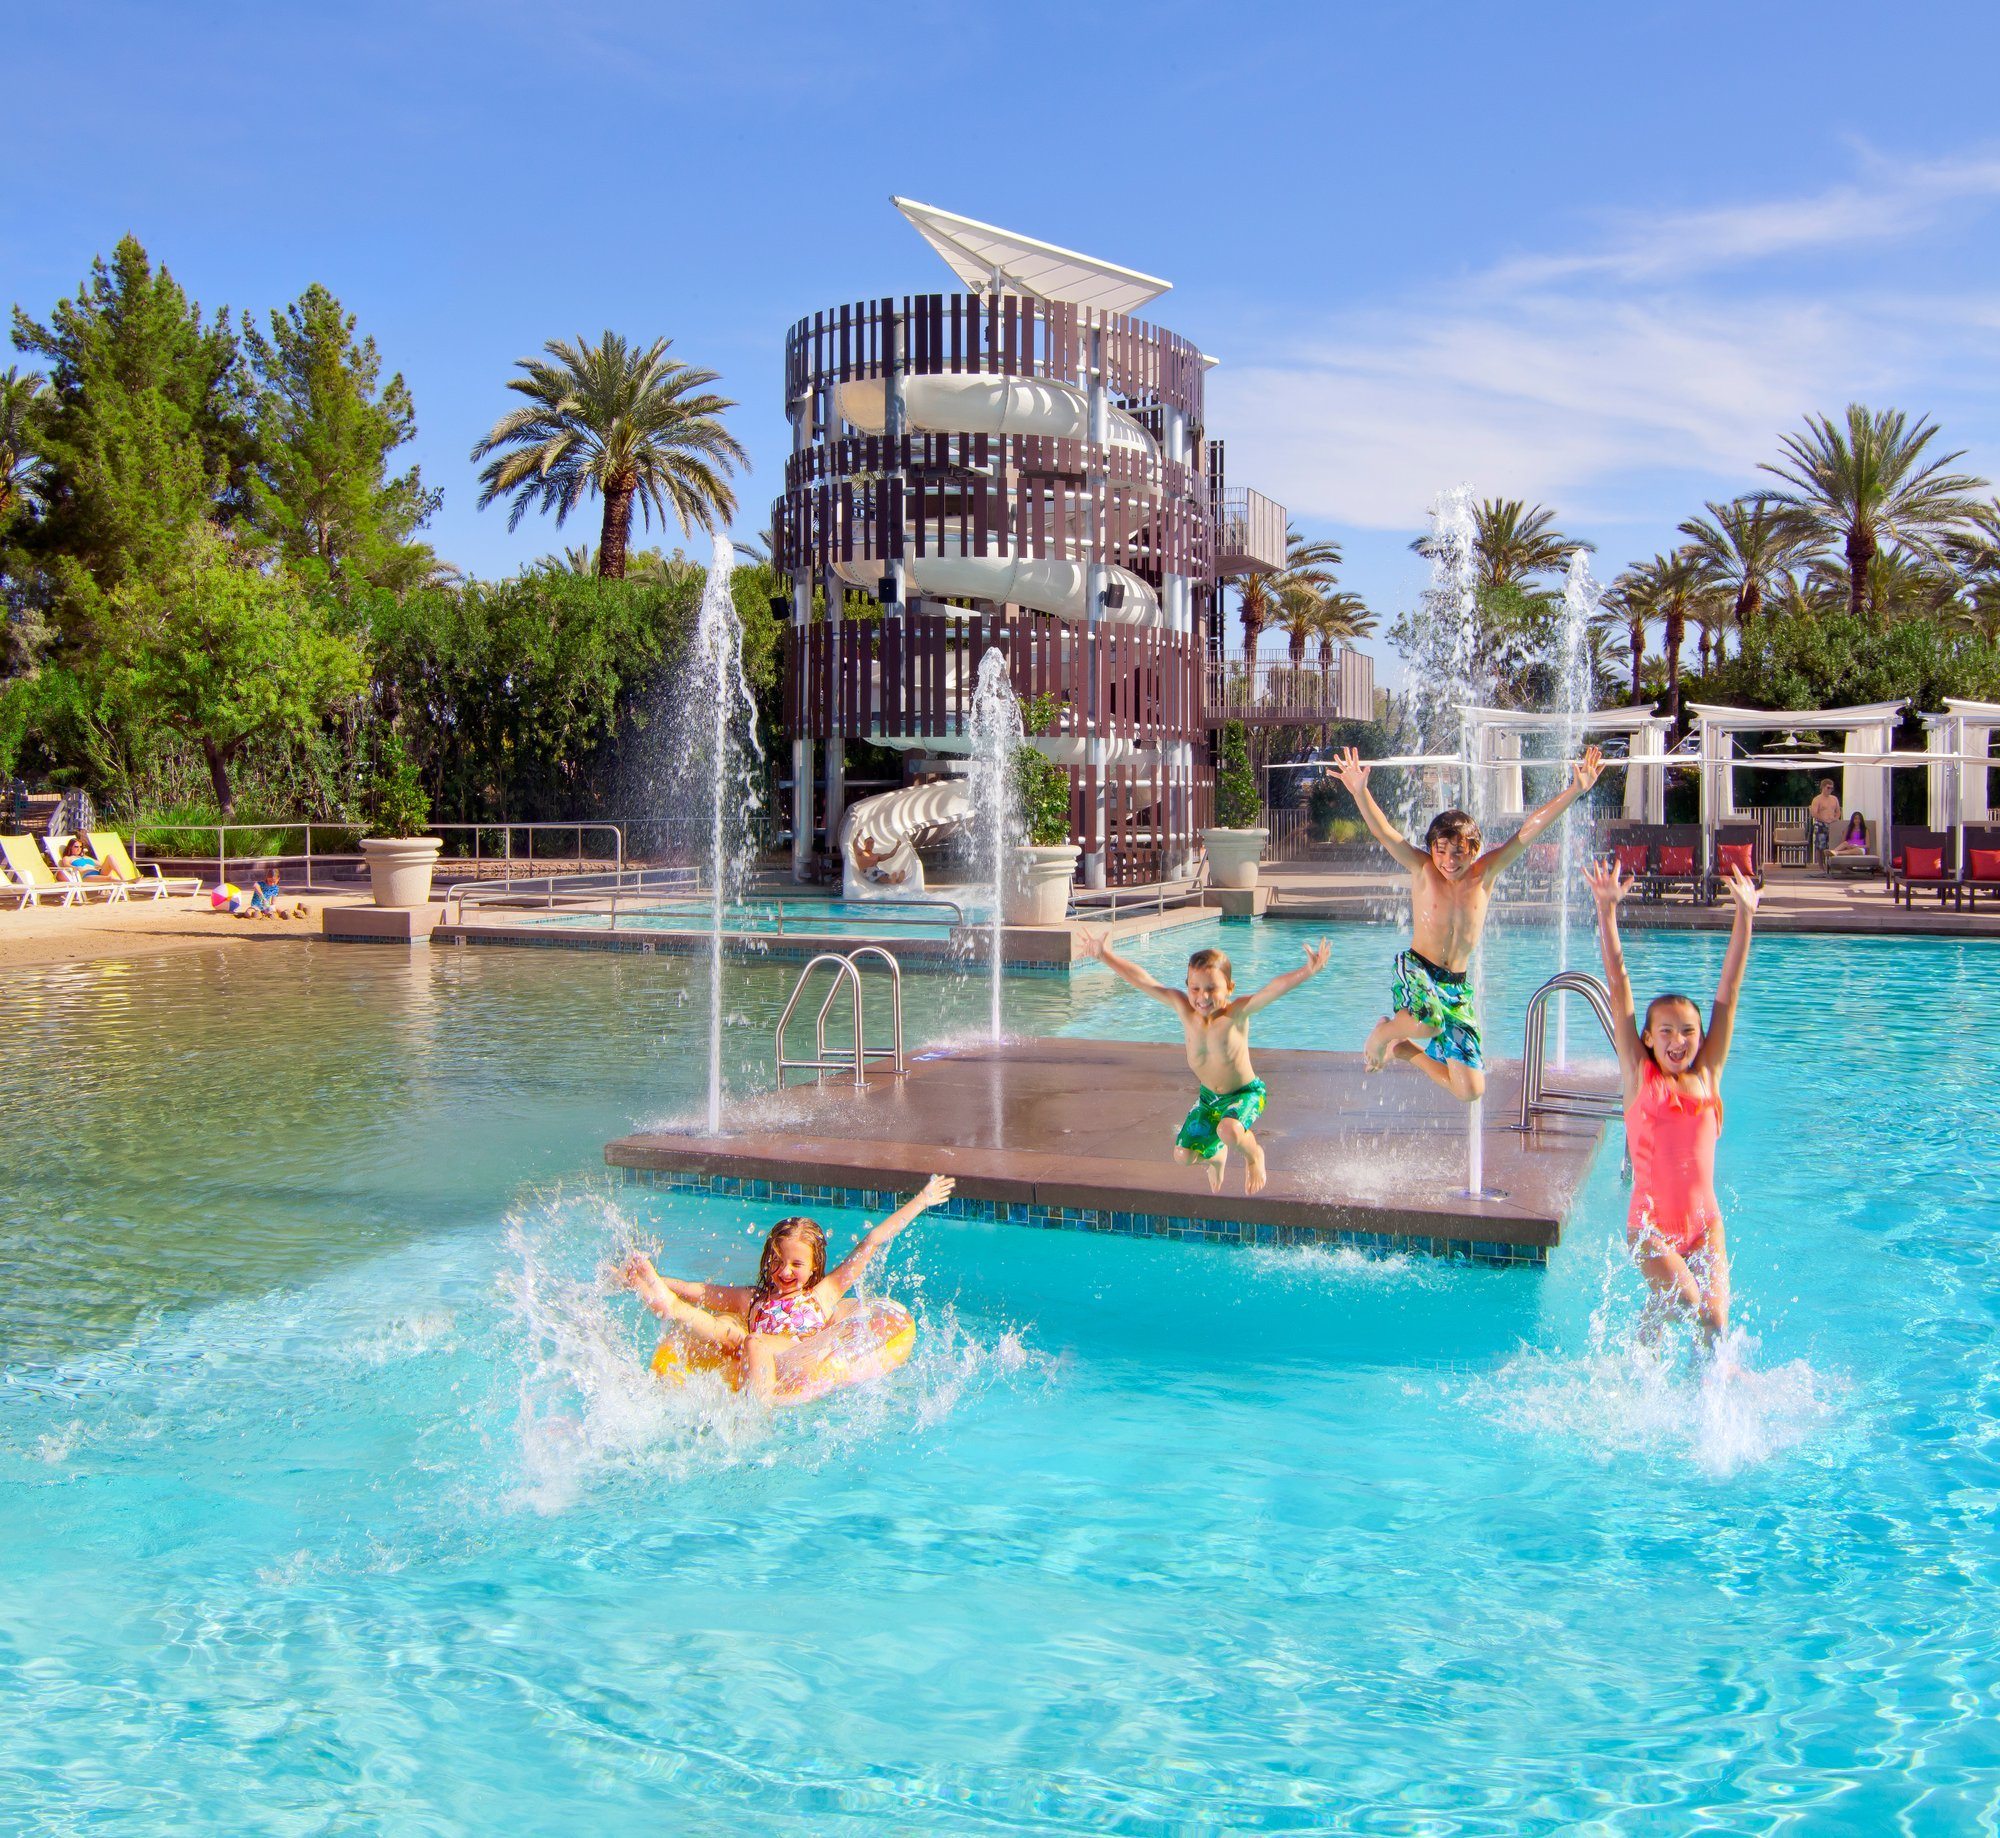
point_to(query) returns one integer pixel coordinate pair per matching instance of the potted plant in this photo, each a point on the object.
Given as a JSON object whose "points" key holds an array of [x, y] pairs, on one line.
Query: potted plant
{"points": [[1236, 843], [1045, 861], [399, 856]]}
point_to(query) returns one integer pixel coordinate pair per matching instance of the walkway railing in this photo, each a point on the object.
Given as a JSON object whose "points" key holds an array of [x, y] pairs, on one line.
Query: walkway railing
{"points": [[664, 895], [320, 847]]}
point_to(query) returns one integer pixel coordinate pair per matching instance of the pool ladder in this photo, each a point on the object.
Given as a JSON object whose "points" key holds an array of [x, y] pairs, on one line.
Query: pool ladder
{"points": [[846, 975], [1538, 1096]]}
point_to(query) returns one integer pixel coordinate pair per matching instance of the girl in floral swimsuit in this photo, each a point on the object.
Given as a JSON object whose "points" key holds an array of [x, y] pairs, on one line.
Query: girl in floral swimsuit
{"points": [[1672, 1074], [794, 1295]]}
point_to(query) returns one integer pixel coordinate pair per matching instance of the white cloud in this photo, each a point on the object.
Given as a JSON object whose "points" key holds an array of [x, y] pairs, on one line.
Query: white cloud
{"points": [[1576, 379]]}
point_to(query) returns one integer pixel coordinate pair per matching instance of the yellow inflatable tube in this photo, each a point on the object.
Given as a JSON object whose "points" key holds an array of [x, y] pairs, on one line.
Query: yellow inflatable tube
{"points": [[864, 1346]]}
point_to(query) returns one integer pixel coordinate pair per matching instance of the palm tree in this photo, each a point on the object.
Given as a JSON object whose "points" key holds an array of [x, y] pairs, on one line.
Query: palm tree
{"points": [[22, 472], [1254, 605], [1898, 585], [625, 423], [1743, 546], [1514, 541], [1301, 612], [1629, 599], [1869, 484]]}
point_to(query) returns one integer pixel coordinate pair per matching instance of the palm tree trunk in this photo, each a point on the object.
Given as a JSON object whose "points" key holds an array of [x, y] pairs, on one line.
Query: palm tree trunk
{"points": [[616, 533], [1676, 633], [1860, 552], [1635, 632]]}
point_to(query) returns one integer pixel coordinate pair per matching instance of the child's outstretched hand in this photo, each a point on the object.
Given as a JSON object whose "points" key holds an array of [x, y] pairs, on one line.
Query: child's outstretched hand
{"points": [[935, 1191], [637, 1272], [1092, 944], [1588, 767], [1316, 956], [1352, 771], [1609, 883], [1743, 890]]}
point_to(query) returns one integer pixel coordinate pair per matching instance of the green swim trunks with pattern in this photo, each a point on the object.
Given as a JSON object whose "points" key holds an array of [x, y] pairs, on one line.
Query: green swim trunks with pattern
{"points": [[1201, 1134]]}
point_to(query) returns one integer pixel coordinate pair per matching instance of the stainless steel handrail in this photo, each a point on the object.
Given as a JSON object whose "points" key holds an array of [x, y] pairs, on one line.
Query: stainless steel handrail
{"points": [[1149, 896], [1537, 1095], [635, 889], [847, 975]]}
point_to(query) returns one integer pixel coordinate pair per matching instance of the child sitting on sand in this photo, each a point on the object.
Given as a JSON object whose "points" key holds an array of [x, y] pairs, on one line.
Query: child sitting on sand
{"points": [[1216, 1023], [1435, 1026], [1672, 1075], [794, 1294]]}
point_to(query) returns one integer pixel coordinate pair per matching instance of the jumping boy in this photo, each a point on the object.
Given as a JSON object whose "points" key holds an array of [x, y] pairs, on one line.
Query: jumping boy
{"points": [[1435, 1026], [1217, 1026]]}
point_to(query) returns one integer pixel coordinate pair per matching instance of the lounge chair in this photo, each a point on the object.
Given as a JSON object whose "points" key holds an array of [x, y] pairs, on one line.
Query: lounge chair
{"points": [[1662, 858], [107, 884], [1736, 845], [36, 879], [1849, 867], [1981, 878], [110, 847], [1920, 865]]}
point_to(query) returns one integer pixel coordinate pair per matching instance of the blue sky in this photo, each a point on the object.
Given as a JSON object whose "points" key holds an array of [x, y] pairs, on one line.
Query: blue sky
{"points": [[1599, 257]]}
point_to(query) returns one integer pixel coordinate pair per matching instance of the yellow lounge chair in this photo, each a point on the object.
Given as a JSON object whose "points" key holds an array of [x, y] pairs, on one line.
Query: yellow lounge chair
{"points": [[110, 847], [38, 880], [109, 885]]}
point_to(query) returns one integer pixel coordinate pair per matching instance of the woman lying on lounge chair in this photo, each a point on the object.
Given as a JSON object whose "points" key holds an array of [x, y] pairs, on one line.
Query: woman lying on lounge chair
{"points": [[1855, 842], [78, 862]]}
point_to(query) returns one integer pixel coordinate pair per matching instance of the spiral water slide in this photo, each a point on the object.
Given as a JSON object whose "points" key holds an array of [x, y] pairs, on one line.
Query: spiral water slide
{"points": [[895, 822], [1000, 405]]}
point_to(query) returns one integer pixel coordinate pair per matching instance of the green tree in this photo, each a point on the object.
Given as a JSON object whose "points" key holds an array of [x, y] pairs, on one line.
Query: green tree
{"points": [[222, 652], [1742, 548], [1237, 805], [145, 434], [628, 425], [1254, 605], [1514, 542], [1869, 483], [326, 425], [23, 471]]}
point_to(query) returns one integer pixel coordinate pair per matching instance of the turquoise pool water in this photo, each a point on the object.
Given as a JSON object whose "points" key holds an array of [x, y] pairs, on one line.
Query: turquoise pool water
{"points": [[332, 1499], [816, 918]]}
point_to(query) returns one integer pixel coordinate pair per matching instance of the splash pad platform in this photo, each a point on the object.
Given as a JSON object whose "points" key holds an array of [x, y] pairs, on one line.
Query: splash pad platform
{"points": [[1078, 1135]]}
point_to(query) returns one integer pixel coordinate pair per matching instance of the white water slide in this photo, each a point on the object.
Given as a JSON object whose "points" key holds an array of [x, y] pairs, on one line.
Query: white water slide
{"points": [[999, 405], [894, 822]]}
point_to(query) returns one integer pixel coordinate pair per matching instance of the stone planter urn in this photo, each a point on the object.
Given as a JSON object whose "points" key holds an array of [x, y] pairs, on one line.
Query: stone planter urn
{"points": [[399, 868], [1233, 856], [1038, 891]]}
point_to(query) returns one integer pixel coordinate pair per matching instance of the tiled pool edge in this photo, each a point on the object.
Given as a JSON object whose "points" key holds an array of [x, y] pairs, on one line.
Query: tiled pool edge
{"points": [[1180, 1228]]}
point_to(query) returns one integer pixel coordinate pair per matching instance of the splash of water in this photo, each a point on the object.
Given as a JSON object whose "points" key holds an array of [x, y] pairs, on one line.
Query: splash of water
{"points": [[995, 732], [1626, 1393], [1445, 681], [1574, 700], [720, 745]]}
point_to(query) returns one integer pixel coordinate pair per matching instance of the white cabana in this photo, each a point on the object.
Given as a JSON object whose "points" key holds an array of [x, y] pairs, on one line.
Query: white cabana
{"points": [[1959, 740], [1868, 741], [1493, 743]]}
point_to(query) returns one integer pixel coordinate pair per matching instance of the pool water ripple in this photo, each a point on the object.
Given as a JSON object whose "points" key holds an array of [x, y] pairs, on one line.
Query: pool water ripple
{"points": [[334, 1496]]}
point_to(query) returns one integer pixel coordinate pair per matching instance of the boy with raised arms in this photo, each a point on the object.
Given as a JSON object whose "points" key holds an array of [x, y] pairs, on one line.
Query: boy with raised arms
{"points": [[1216, 1024], [1434, 1024]]}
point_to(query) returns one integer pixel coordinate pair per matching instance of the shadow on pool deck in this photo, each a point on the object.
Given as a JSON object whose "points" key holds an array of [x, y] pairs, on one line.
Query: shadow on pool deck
{"points": [[1078, 1133]]}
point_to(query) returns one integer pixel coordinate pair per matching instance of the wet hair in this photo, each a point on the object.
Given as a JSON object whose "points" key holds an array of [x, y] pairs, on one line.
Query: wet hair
{"points": [[1653, 1007], [798, 1226], [1209, 958], [1454, 824]]}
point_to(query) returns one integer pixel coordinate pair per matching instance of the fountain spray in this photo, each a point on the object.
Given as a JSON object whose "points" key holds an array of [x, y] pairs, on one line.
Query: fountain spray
{"points": [[995, 733]]}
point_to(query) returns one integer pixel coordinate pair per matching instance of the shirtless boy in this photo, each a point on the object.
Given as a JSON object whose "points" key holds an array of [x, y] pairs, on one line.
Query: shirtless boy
{"points": [[1216, 1022], [1435, 1026]]}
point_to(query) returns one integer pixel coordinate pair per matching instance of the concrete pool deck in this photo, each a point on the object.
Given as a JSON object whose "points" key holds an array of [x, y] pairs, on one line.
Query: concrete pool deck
{"points": [[1078, 1133]]}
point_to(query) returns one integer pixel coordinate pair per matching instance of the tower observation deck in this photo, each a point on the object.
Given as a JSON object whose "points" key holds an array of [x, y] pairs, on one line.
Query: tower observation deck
{"points": [[1022, 464]]}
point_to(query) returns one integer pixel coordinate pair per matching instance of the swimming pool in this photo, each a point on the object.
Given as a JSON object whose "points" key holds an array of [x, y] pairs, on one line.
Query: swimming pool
{"points": [[332, 1497]]}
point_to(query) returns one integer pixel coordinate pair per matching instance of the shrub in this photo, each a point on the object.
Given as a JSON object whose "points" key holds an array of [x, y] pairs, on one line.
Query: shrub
{"points": [[1237, 805], [397, 805], [1040, 784]]}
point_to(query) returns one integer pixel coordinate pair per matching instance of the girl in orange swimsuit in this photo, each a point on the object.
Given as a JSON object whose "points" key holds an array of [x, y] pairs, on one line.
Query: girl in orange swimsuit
{"points": [[794, 1295], [1672, 1072]]}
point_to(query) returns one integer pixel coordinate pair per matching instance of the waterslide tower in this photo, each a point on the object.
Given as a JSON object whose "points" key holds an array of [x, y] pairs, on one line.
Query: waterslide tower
{"points": [[1022, 464]]}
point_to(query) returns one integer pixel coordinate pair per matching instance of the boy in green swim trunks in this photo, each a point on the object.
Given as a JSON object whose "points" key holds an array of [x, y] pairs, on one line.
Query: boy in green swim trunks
{"points": [[1216, 1022], [1434, 1024]]}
